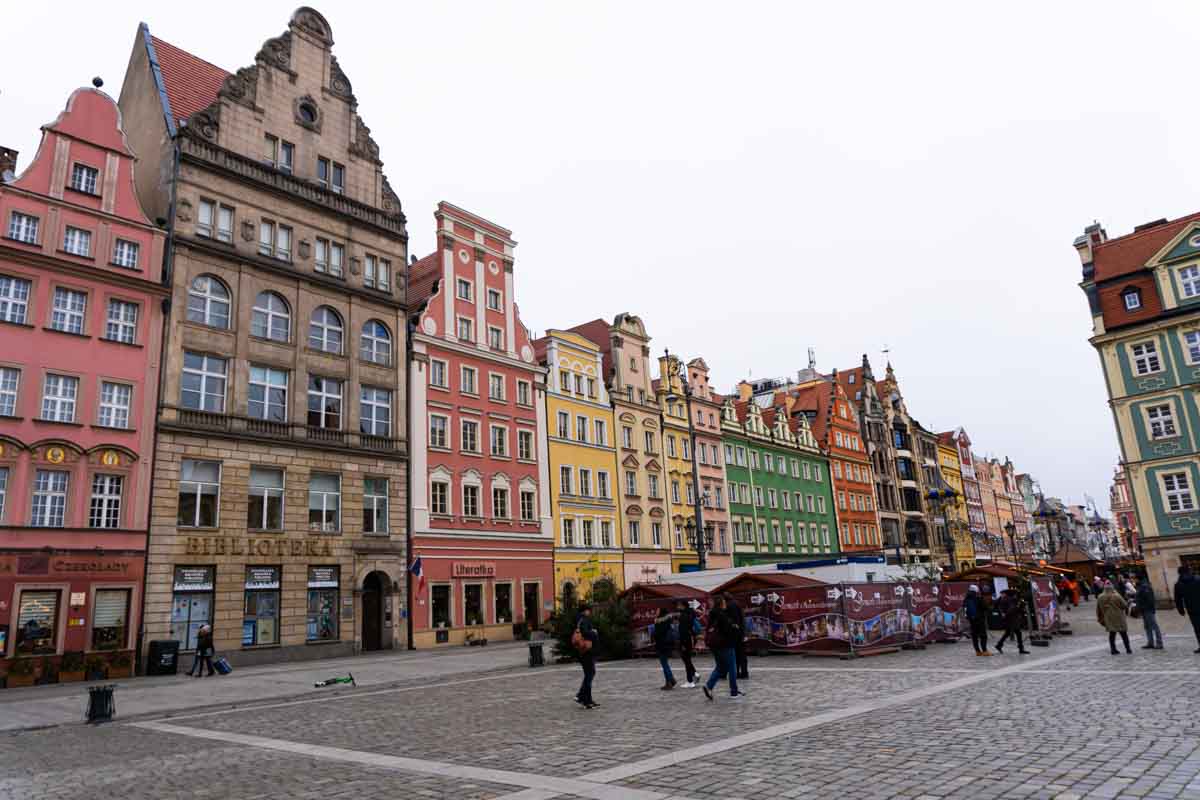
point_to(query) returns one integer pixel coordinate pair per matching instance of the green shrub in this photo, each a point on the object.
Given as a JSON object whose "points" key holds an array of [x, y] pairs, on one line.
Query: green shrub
{"points": [[611, 619]]}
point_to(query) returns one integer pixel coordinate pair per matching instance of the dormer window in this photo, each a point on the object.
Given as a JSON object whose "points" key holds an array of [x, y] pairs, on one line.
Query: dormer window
{"points": [[1133, 299], [84, 178]]}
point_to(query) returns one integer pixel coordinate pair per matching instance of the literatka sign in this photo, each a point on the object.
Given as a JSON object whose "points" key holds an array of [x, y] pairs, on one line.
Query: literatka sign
{"points": [[473, 569]]}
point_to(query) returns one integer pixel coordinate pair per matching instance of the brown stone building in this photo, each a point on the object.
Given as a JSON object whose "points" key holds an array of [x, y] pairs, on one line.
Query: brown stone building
{"points": [[279, 510]]}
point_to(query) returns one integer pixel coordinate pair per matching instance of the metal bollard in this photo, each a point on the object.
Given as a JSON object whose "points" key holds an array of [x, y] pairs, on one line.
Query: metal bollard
{"points": [[537, 658], [101, 705]]}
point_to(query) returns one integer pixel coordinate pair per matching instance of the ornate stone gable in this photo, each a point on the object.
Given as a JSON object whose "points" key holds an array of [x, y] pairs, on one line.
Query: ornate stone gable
{"points": [[781, 430]]}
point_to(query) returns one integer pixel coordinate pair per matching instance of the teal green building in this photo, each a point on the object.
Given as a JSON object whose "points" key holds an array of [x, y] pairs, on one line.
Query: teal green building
{"points": [[780, 493]]}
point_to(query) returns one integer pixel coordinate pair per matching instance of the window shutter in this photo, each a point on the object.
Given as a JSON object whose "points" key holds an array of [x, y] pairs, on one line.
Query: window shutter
{"points": [[38, 606], [111, 608]]}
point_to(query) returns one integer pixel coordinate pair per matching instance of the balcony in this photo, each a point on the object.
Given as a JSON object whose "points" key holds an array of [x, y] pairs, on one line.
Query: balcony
{"points": [[172, 417], [326, 435], [203, 419]]}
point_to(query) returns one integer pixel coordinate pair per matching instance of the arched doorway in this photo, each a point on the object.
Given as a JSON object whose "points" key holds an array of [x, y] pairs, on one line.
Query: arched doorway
{"points": [[375, 585]]}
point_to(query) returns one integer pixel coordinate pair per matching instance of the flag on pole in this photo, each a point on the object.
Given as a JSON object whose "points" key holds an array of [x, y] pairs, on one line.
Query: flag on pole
{"points": [[416, 571]]}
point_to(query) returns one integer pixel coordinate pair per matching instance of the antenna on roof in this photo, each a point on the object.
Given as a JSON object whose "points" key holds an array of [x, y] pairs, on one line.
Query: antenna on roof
{"points": [[97, 82]]}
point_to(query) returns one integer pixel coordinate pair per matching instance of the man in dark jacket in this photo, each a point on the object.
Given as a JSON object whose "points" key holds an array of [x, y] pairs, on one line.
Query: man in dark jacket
{"points": [[739, 646], [977, 613], [664, 643], [721, 637], [687, 640], [587, 658], [1187, 599], [1012, 612], [1145, 600]]}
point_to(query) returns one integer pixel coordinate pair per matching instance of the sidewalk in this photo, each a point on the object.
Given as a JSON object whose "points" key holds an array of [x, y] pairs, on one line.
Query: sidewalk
{"points": [[61, 704]]}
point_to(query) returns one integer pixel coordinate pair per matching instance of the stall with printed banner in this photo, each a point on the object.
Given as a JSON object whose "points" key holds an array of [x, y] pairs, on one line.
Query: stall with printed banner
{"points": [[1045, 604], [647, 601]]}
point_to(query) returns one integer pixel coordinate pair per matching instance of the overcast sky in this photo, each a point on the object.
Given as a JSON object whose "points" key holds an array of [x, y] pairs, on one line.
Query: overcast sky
{"points": [[755, 179]]}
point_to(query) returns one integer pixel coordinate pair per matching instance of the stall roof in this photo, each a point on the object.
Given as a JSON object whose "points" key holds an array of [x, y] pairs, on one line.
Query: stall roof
{"points": [[663, 591], [991, 571], [1071, 553], [750, 581]]}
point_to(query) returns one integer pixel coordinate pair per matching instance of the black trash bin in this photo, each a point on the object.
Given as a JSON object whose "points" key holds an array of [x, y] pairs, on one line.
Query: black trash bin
{"points": [[101, 705], [163, 658]]}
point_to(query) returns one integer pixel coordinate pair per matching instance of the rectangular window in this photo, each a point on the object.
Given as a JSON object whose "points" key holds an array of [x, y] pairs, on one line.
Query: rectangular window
{"points": [[602, 485], [685, 447], [439, 498], [762, 533], [77, 241], [564, 382], [768, 462], [787, 501], [375, 411], [494, 300], [192, 603], [656, 534], [495, 386], [499, 502], [205, 218], [464, 290], [1177, 487], [37, 623], [14, 299], [377, 273], [260, 620], [1189, 279], [58, 398], [10, 380], [321, 623], [772, 498], [468, 380], [631, 483], [1162, 422], [437, 374], [225, 223], [439, 606], [1145, 358], [84, 178], [110, 619], [674, 491], [691, 496], [499, 441], [495, 338], [820, 505], [525, 445], [276, 241], [199, 494], [324, 403], [702, 453], [331, 175], [816, 472], [121, 325], [105, 508], [650, 442], [23, 227], [1133, 300], [439, 427], [585, 482], [324, 502], [125, 254], [605, 533], [375, 505], [564, 480], [524, 393], [564, 425], [588, 531], [264, 504], [758, 496], [68, 311], [581, 429], [601, 432], [502, 603], [267, 397], [568, 532], [115, 399], [470, 436], [579, 385], [754, 459], [528, 506], [635, 533], [1192, 342], [653, 486], [671, 446]]}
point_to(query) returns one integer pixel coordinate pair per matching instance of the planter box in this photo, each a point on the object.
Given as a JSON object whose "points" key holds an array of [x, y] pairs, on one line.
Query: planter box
{"points": [[70, 677], [13, 681], [98, 675], [119, 672]]}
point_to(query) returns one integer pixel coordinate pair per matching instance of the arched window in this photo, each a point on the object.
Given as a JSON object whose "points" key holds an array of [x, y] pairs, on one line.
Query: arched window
{"points": [[271, 318], [376, 343], [325, 331], [208, 302]]}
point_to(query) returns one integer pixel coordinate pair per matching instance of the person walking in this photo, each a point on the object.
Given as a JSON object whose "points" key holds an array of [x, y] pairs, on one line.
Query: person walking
{"points": [[1086, 589], [1110, 612], [976, 610], [204, 652], [1146, 605], [721, 637], [585, 639], [687, 640], [739, 646], [1187, 599], [1097, 586], [1011, 609], [664, 643]]}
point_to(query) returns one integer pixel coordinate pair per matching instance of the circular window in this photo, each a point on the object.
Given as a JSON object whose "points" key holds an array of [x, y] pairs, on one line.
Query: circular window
{"points": [[1194, 241], [308, 113]]}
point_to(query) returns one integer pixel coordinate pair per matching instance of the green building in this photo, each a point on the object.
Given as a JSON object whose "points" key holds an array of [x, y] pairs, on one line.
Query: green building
{"points": [[780, 493]]}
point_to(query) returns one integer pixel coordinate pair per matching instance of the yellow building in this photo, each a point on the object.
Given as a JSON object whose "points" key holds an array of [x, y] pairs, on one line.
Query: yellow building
{"points": [[950, 465], [583, 466]]}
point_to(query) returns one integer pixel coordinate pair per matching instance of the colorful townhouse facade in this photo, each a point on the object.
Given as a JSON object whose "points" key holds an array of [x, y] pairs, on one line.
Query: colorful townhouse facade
{"points": [[641, 480], [1016, 503], [81, 312], [960, 545], [481, 511], [1143, 292], [588, 555], [781, 497], [280, 513], [976, 518], [1004, 514], [1121, 503], [904, 449]]}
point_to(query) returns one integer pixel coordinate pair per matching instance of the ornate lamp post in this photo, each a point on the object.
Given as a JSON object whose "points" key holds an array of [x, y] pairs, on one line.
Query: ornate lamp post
{"points": [[1098, 526], [1045, 514], [701, 543], [941, 498]]}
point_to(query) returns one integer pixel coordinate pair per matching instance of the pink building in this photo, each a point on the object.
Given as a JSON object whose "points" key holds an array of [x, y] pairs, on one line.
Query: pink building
{"points": [[481, 521], [81, 317]]}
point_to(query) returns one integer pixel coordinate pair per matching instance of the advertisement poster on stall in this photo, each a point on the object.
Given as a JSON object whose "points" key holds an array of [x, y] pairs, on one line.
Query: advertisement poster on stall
{"points": [[643, 612], [877, 615], [950, 604], [809, 619], [1045, 603], [923, 598]]}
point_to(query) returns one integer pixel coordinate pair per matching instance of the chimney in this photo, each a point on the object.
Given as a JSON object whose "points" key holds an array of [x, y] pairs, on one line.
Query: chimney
{"points": [[8, 164], [1093, 235], [745, 390]]}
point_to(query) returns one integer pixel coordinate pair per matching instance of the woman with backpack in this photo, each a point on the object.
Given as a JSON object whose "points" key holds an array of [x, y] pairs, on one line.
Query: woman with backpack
{"points": [[664, 643], [722, 638], [584, 639]]}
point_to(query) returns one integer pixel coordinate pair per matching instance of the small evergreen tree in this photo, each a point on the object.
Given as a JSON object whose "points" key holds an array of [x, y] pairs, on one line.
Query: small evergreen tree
{"points": [[611, 619]]}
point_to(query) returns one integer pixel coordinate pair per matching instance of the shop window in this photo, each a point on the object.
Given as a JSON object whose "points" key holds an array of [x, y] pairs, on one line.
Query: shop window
{"points": [[322, 623], [192, 604], [440, 605], [503, 603], [37, 624], [473, 603], [260, 623], [110, 619]]}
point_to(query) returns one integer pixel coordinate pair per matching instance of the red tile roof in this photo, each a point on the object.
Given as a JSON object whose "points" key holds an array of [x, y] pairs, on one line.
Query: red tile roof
{"points": [[1129, 253], [598, 331], [422, 279], [191, 83], [750, 581], [814, 397]]}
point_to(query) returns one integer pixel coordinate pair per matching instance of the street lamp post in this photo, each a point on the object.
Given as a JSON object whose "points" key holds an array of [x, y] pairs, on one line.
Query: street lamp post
{"points": [[700, 542], [1011, 530], [941, 499]]}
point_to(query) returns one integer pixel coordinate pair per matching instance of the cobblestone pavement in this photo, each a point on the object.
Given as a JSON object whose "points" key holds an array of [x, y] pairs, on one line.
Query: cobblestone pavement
{"points": [[1068, 722]]}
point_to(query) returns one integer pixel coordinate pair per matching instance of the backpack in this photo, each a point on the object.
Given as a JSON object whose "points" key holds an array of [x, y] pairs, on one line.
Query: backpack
{"points": [[580, 642], [697, 628]]}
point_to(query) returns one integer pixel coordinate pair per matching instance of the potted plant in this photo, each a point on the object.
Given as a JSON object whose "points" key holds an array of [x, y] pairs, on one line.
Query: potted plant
{"points": [[20, 672], [70, 668], [94, 668], [120, 665]]}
